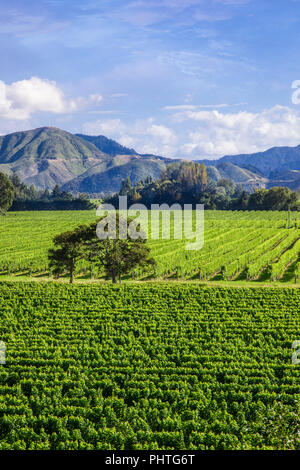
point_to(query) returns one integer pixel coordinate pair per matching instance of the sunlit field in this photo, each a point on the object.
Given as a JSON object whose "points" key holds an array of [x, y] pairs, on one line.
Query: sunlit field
{"points": [[237, 246]]}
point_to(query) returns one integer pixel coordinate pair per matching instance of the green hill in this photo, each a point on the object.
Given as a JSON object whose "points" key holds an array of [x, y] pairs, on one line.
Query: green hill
{"points": [[107, 178], [48, 156], [246, 178]]}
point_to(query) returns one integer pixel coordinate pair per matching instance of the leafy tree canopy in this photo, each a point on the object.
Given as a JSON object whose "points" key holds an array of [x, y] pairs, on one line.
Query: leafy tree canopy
{"points": [[189, 183], [6, 193], [115, 255]]}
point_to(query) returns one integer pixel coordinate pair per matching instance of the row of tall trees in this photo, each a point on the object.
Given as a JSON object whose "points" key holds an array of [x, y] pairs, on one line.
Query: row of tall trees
{"points": [[16, 195], [277, 198], [189, 183], [116, 256], [183, 182]]}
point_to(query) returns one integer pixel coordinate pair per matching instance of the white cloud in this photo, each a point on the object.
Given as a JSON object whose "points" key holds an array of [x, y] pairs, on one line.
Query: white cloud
{"points": [[145, 136], [81, 102], [19, 100], [217, 133], [109, 128], [198, 134]]}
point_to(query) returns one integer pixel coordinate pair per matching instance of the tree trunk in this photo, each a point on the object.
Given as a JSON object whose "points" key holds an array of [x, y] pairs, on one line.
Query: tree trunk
{"points": [[71, 276], [120, 280], [113, 278]]}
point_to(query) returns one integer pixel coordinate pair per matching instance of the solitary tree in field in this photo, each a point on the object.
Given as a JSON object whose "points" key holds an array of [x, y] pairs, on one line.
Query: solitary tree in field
{"points": [[6, 193], [116, 255], [69, 249]]}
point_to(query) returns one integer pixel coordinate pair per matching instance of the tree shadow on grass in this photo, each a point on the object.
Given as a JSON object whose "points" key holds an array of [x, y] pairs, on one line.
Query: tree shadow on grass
{"points": [[289, 274], [217, 277], [242, 276], [264, 276]]}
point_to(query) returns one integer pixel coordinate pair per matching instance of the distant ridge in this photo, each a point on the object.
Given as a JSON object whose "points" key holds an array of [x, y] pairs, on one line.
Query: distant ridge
{"points": [[273, 161], [272, 165], [106, 145], [47, 156]]}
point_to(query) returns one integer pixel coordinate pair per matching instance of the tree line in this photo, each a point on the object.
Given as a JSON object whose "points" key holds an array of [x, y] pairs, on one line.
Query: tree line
{"points": [[180, 182], [17, 196], [189, 183]]}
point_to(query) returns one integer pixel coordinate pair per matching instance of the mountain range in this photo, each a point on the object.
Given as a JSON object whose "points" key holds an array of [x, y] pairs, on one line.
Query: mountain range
{"points": [[95, 164], [48, 156]]}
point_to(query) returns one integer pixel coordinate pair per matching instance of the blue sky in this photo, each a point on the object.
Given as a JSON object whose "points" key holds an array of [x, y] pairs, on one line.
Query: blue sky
{"points": [[180, 78]]}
